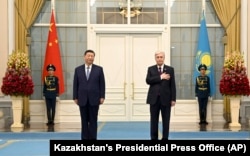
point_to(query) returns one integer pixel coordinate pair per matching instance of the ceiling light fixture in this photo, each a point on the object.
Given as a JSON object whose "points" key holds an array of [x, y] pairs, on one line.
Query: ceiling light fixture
{"points": [[135, 7]]}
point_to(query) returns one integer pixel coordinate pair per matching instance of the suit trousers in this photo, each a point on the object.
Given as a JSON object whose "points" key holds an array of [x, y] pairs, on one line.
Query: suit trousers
{"points": [[155, 110], [89, 116]]}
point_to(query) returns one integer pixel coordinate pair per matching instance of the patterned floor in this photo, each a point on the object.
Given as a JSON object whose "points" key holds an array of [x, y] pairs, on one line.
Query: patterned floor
{"points": [[35, 139]]}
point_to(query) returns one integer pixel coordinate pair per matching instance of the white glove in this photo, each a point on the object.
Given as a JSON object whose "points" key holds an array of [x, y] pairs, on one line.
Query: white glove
{"points": [[57, 98]]}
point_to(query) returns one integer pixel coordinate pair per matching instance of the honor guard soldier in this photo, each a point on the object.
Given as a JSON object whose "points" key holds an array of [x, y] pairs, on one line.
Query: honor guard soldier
{"points": [[202, 92], [50, 92]]}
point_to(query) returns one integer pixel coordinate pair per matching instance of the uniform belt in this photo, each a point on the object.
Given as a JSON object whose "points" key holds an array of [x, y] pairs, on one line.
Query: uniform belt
{"points": [[51, 88], [202, 88]]}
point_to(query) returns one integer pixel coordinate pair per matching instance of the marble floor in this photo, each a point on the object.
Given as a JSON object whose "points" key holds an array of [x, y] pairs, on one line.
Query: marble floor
{"points": [[36, 137], [174, 127]]}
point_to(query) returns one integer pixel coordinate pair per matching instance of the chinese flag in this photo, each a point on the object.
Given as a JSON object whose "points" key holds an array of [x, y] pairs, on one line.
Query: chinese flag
{"points": [[52, 55]]}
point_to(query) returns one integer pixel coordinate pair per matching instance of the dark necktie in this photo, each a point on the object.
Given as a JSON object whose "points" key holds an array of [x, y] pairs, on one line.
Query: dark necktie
{"points": [[160, 70], [87, 74]]}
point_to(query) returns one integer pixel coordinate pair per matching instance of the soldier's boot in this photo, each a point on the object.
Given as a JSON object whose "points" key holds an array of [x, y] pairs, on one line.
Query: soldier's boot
{"points": [[204, 117], [200, 113], [49, 117], [52, 117]]}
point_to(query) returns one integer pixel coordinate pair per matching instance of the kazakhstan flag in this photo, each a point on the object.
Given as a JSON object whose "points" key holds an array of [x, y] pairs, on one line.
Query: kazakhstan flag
{"points": [[203, 55]]}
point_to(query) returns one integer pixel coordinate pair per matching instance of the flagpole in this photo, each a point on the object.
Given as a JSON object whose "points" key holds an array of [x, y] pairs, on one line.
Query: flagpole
{"points": [[203, 9], [203, 5], [52, 4], [53, 8]]}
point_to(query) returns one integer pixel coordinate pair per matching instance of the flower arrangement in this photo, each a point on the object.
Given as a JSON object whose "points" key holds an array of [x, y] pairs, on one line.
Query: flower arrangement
{"points": [[234, 79], [17, 80]]}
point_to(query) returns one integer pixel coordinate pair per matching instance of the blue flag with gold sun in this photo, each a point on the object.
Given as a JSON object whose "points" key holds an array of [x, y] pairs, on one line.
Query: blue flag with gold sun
{"points": [[203, 55]]}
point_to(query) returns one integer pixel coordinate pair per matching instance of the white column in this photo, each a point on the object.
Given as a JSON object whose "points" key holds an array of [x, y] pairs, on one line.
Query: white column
{"points": [[4, 38]]}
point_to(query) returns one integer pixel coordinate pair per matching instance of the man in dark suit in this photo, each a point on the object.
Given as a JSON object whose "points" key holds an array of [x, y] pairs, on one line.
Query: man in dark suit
{"points": [[161, 95], [88, 94]]}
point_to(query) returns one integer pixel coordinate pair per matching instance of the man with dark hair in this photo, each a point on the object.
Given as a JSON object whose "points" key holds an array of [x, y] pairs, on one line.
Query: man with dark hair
{"points": [[89, 94]]}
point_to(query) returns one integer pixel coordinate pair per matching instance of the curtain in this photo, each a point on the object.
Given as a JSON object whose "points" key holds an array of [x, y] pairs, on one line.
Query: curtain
{"points": [[26, 12], [228, 12]]}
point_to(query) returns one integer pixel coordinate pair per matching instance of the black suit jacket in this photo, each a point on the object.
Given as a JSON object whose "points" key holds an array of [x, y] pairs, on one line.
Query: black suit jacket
{"points": [[166, 88], [92, 89]]}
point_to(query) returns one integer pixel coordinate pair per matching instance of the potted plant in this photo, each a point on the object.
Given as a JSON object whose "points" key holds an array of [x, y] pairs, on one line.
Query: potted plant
{"points": [[234, 83], [17, 80], [17, 83]]}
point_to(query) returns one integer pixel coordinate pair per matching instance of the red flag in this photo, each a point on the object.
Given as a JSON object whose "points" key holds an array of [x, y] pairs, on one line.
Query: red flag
{"points": [[52, 55]]}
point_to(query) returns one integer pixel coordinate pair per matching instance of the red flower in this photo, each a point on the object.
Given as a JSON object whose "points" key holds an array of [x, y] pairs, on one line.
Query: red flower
{"points": [[234, 80], [17, 80], [15, 83]]}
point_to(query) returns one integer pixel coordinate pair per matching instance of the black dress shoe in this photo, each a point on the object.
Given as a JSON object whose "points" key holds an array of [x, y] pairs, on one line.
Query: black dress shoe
{"points": [[153, 139], [50, 123], [164, 139], [205, 122]]}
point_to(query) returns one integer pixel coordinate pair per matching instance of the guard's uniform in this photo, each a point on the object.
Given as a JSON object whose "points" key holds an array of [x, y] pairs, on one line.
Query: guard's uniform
{"points": [[50, 92], [202, 92]]}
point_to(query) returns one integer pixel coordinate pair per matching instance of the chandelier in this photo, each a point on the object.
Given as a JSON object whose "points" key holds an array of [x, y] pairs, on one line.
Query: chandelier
{"points": [[135, 7]]}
